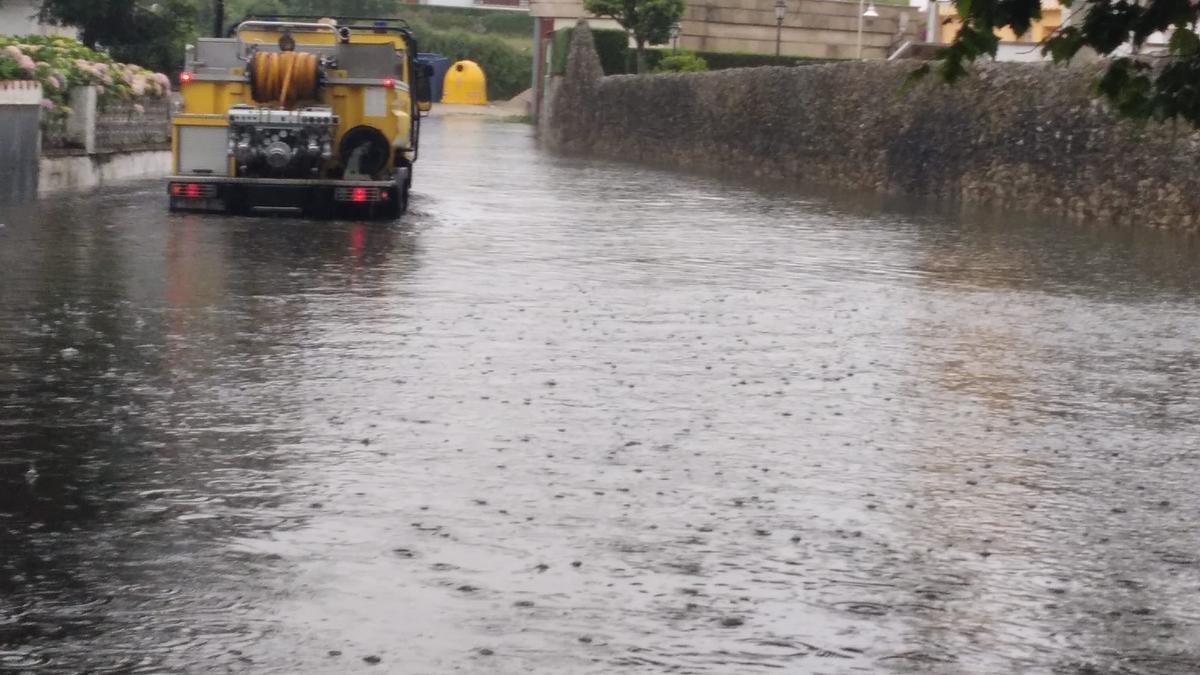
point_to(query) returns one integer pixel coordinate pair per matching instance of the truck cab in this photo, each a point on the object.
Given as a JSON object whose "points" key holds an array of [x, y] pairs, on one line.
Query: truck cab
{"points": [[319, 116]]}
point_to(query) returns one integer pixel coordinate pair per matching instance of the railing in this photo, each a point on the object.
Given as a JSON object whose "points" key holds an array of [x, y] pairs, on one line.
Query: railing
{"points": [[133, 126], [54, 133], [94, 126]]}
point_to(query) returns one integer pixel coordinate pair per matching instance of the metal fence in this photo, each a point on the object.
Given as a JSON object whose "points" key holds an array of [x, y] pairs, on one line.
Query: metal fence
{"points": [[98, 126], [124, 125], [55, 135]]}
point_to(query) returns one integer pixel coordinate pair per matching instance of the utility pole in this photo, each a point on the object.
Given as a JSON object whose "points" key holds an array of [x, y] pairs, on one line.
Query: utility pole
{"points": [[932, 23], [218, 18]]}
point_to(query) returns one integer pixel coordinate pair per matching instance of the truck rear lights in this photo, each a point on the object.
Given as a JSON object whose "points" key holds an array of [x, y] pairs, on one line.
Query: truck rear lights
{"points": [[193, 190], [359, 195], [185, 77], [389, 83]]}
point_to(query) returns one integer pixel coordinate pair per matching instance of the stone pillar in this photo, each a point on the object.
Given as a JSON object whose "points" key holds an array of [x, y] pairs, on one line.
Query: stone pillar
{"points": [[536, 95], [81, 125], [543, 27], [20, 140]]}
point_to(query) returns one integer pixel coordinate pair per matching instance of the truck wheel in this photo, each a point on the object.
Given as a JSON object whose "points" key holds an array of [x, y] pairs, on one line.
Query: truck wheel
{"points": [[397, 202]]}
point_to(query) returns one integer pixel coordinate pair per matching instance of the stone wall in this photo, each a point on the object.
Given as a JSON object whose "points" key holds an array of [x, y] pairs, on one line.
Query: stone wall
{"points": [[1026, 136]]}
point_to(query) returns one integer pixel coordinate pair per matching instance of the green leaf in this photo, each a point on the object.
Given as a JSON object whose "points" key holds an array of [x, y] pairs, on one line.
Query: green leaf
{"points": [[1064, 45], [1184, 43]]}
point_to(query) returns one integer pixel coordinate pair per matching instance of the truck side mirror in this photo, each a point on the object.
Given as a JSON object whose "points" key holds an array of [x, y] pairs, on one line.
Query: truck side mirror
{"points": [[424, 86]]}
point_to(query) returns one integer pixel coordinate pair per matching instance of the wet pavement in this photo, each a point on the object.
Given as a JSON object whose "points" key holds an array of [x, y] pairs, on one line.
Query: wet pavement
{"points": [[579, 417]]}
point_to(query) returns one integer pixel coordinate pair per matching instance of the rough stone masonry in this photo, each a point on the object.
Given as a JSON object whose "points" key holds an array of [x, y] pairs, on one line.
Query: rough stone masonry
{"points": [[1023, 136]]}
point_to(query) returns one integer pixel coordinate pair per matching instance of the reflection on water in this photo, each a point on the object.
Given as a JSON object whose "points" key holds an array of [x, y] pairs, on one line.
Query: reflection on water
{"points": [[585, 417]]}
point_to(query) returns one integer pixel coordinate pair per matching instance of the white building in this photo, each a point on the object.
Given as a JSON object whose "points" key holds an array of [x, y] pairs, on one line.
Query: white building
{"points": [[19, 17]]}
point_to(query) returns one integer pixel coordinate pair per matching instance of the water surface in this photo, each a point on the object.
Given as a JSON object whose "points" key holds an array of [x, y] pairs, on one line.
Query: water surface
{"points": [[584, 417]]}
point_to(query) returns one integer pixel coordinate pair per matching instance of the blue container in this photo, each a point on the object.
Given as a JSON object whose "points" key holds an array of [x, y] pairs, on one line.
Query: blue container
{"points": [[440, 64]]}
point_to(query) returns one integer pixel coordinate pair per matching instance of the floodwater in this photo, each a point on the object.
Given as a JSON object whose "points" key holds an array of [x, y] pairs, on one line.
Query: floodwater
{"points": [[582, 417]]}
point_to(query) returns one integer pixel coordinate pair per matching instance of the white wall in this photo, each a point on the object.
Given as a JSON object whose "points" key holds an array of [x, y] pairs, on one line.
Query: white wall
{"points": [[90, 171], [18, 17]]}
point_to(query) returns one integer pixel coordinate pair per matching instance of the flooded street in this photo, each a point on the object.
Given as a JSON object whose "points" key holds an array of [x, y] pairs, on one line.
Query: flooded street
{"points": [[581, 417]]}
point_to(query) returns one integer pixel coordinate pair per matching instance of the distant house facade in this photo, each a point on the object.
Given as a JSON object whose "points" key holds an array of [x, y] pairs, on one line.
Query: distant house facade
{"points": [[19, 17], [1027, 47]]}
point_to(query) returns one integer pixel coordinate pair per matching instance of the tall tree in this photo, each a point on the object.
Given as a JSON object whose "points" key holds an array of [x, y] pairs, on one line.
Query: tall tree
{"points": [[1158, 86], [647, 21], [153, 36]]}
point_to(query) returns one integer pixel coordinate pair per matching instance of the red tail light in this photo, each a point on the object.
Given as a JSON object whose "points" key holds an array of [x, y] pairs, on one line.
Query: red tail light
{"points": [[185, 77], [193, 190], [389, 83], [358, 195]]}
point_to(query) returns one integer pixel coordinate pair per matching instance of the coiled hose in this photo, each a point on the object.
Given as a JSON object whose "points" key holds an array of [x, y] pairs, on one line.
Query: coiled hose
{"points": [[284, 77]]}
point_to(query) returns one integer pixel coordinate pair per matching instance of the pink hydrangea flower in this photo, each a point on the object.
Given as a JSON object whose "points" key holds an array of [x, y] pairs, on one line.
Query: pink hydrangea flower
{"points": [[47, 104], [13, 51], [25, 63], [54, 81], [137, 107]]}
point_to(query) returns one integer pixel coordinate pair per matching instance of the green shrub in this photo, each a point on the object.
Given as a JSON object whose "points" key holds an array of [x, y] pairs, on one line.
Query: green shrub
{"points": [[727, 60], [681, 62], [61, 63], [508, 69], [616, 58], [508, 23], [611, 45]]}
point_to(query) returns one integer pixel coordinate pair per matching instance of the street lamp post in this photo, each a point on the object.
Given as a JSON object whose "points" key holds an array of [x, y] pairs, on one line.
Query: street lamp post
{"points": [[870, 13], [675, 30], [780, 11]]}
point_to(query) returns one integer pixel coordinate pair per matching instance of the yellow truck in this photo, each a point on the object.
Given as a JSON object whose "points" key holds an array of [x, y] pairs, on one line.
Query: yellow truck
{"points": [[320, 116]]}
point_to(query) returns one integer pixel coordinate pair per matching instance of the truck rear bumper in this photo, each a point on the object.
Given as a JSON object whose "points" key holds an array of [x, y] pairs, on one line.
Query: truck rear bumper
{"points": [[281, 195]]}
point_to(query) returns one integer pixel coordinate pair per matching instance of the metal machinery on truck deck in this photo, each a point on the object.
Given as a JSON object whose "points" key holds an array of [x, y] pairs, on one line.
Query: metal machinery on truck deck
{"points": [[296, 114]]}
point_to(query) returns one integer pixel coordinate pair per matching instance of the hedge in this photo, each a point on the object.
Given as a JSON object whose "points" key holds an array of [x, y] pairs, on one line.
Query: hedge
{"points": [[727, 60], [508, 70], [617, 58], [611, 45]]}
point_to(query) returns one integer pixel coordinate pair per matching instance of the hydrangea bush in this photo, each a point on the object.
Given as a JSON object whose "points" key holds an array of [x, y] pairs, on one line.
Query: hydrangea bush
{"points": [[61, 63]]}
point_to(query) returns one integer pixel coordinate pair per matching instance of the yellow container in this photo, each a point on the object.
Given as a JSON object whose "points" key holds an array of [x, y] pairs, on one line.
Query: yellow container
{"points": [[465, 83]]}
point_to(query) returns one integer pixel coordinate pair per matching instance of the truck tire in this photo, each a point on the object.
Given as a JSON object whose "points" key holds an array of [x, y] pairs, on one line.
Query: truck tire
{"points": [[397, 203]]}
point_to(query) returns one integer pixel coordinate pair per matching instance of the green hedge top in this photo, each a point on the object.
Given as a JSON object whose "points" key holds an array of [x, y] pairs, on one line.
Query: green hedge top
{"points": [[616, 57]]}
